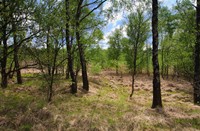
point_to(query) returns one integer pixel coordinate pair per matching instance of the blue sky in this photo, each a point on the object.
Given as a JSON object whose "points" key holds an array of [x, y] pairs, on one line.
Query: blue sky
{"points": [[119, 19]]}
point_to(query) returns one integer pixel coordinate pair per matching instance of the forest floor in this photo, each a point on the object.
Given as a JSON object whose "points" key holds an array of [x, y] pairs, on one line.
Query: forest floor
{"points": [[106, 106]]}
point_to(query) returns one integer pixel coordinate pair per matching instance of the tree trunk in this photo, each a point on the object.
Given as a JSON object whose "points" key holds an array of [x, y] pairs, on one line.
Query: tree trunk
{"points": [[83, 63], [133, 84], [69, 51], [50, 88], [17, 66], [11, 74], [196, 84], [50, 91], [157, 102], [117, 72], [134, 69], [81, 50], [167, 71], [16, 49], [67, 73], [4, 81]]}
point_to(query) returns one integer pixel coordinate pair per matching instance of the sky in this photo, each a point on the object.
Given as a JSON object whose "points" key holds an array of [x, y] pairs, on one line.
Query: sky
{"points": [[118, 21]]}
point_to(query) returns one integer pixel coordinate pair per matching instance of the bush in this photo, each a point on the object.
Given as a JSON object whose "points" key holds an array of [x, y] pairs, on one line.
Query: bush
{"points": [[96, 69]]}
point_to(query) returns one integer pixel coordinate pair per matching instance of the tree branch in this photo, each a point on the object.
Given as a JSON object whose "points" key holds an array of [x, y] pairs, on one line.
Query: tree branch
{"points": [[92, 10], [24, 67], [89, 4]]}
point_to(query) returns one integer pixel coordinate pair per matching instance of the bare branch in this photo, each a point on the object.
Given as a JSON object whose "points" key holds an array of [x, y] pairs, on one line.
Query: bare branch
{"points": [[92, 10], [89, 4], [19, 44], [24, 67]]}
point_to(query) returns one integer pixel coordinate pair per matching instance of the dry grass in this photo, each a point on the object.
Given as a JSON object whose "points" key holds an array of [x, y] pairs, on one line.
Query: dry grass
{"points": [[106, 106]]}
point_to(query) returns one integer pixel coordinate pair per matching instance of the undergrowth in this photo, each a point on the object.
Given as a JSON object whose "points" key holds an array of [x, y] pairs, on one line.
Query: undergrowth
{"points": [[108, 107]]}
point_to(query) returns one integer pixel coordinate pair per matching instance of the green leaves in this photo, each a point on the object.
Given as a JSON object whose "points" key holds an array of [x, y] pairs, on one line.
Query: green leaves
{"points": [[138, 31], [115, 45], [177, 27]]}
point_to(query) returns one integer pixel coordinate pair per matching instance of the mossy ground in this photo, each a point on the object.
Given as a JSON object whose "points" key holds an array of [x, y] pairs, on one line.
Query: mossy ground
{"points": [[106, 106]]}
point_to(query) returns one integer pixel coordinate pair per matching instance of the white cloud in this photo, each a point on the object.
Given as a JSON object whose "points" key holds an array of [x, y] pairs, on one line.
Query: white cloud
{"points": [[124, 31], [114, 23], [107, 5], [118, 18]]}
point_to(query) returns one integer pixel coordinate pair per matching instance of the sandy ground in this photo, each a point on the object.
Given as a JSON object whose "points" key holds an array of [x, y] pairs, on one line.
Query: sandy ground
{"points": [[30, 70]]}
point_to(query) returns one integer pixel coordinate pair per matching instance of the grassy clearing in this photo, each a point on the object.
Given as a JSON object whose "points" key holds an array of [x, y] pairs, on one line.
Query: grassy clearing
{"points": [[106, 107]]}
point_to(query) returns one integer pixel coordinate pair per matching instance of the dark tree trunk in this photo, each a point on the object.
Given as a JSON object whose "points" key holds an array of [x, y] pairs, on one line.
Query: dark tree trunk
{"points": [[50, 89], [134, 69], [77, 69], [135, 59], [67, 73], [117, 68], [69, 51], [196, 84], [167, 71], [83, 63], [81, 49], [17, 66], [133, 84], [4, 81], [157, 102], [12, 68], [16, 49]]}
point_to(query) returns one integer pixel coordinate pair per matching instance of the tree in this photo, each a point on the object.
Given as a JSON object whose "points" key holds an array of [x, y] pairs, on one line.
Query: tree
{"points": [[167, 26], [115, 48], [11, 24], [182, 44], [137, 30], [157, 101], [69, 49], [4, 81], [148, 55], [80, 47], [80, 16], [196, 84], [46, 47], [16, 59]]}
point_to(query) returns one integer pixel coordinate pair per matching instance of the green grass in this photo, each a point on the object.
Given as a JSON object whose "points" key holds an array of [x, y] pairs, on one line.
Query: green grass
{"points": [[189, 122], [25, 127], [109, 108], [193, 111], [96, 69], [31, 75], [11, 102], [20, 102], [101, 106]]}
